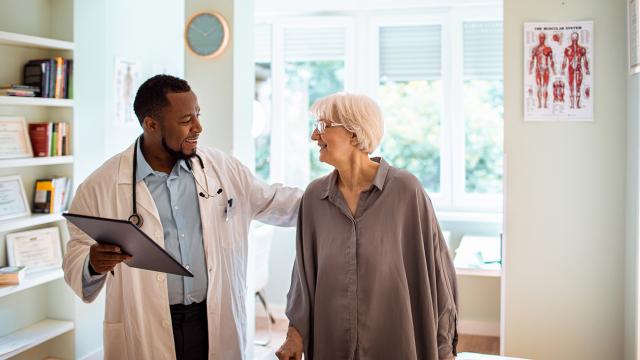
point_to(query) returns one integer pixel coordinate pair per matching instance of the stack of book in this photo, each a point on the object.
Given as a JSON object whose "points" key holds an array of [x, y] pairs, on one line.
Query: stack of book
{"points": [[11, 275], [52, 195], [53, 77], [18, 90], [50, 139]]}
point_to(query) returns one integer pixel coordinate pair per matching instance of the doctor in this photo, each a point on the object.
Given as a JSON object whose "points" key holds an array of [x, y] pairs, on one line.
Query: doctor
{"points": [[195, 202]]}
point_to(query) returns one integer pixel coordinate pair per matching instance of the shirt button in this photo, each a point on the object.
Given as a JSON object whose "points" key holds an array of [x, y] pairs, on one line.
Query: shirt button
{"points": [[175, 207], [187, 267], [158, 234], [182, 235], [165, 324], [160, 277]]}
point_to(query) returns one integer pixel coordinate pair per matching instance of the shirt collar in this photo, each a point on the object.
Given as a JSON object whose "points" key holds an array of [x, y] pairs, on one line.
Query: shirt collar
{"points": [[378, 180], [144, 169]]}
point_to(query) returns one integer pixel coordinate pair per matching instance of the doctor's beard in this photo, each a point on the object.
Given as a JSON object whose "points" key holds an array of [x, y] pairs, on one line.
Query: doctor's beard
{"points": [[178, 155]]}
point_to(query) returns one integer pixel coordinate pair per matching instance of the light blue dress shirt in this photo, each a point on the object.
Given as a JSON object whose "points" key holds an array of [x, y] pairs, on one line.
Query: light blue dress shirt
{"points": [[176, 198]]}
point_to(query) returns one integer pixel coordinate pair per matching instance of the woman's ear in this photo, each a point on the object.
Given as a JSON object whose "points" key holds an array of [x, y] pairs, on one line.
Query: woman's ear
{"points": [[354, 139]]}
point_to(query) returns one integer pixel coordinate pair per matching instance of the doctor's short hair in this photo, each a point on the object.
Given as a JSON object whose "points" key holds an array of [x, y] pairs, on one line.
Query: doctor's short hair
{"points": [[358, 113], [152, 95]]}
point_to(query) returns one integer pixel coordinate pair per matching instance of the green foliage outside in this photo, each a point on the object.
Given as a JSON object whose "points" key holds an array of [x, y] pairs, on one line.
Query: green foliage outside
{"points": [[483, 114], [412, 114]]}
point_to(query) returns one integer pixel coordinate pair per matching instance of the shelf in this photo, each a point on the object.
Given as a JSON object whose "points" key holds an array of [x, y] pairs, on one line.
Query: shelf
{"points": [[480, 217], [34, 101], [7, 38], [36, 161], [31, 336], [32, 280], [478, 272], [27, 221]]}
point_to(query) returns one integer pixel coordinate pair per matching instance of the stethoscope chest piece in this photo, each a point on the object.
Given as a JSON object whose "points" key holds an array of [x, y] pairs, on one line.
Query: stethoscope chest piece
{"points": [[136, 220]]}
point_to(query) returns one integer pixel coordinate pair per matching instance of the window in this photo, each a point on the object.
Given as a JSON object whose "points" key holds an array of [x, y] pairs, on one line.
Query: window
{"points": [[410, 95], [314, 67], [306, 59], [262, 102], [483, 106], [437, 76]]}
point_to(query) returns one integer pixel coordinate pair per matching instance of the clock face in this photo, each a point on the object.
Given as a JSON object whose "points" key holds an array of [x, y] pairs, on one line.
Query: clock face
{"points": [[207, 34]]}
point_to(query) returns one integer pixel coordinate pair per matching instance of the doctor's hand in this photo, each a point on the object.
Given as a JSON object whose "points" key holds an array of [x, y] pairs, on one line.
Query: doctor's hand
{"points": [[292, 346], [104, 257]]}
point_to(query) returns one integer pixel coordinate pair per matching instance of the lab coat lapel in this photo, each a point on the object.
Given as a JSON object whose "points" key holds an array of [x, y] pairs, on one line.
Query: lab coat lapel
{"points": [[144, 200]]}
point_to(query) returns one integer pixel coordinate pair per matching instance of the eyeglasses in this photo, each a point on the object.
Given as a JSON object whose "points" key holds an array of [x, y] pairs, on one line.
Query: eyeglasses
{"points": [[321, 126]]}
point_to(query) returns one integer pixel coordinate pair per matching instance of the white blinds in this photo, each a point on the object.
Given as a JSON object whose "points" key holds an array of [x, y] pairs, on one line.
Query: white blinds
{"points": [[410, 53], [262, 43], [482, 49], [312, 44]]}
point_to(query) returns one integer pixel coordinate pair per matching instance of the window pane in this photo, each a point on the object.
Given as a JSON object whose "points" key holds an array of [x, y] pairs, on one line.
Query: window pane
{"points": [[412, 113], [483, 106], [411, 97], [307, 82], [262, 120]]}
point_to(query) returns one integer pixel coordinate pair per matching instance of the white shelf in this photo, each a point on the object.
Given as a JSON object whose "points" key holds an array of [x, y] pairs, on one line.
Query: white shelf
{"points": [[469, 217], [7, 38], [32, 280], [31, 336], [27, 221], [478, 272], [36, 161], [34, 101]]}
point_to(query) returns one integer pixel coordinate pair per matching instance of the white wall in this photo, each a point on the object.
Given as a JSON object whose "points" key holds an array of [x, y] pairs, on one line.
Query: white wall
{"points": [[565, 200], [633, 193], [139, 31], [224, 87]]}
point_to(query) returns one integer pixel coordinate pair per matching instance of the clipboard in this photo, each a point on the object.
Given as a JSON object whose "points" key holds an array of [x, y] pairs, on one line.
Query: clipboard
{"points": [[147, 254]]}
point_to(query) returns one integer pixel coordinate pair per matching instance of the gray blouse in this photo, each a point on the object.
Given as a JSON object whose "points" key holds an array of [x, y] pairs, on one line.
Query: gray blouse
{"points": [[378, 286]]}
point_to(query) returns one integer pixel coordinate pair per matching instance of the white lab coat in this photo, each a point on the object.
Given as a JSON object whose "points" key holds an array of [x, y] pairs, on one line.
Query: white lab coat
{"points": [[137, 321]]}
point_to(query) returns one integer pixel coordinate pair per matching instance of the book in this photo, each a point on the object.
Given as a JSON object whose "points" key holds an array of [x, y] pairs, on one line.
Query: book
{"points": [[18, 90], [51, 195], [36, 73], [11, 275], [39, 135]]}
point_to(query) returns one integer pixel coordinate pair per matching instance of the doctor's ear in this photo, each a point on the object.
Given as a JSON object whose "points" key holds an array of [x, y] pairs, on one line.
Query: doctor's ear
{"points": [[150, 123]]}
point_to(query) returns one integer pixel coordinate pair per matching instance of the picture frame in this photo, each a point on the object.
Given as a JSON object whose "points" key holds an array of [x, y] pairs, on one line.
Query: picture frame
{"points": [[14, 138], [13, 198], [36, 250]]}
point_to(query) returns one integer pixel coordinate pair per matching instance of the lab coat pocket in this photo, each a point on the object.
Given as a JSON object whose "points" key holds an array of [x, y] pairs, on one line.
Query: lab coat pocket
{"points": [[114, 341]]}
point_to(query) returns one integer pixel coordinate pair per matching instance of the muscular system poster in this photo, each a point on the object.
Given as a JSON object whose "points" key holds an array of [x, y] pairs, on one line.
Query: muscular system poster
{"points": [[558, 71]]}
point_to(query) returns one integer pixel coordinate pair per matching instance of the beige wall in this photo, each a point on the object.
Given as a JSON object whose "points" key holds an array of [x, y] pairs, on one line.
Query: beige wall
{"points": [[565, 200]]}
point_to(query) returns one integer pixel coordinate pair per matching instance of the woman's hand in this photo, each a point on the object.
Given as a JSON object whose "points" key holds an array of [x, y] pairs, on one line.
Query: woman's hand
{"points": [[292, 346]]}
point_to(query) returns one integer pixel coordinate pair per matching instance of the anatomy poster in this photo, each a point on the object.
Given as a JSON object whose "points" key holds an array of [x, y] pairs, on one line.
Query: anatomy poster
{"points": [[558, 71]]}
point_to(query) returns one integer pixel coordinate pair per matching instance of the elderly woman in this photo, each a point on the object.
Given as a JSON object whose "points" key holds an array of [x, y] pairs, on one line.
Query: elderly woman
{"points": [[373, 278]]}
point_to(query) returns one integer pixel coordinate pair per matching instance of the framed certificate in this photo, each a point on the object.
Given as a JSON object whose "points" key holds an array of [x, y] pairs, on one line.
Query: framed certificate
{"points": [[13, 200], [14, 138], [36, 249]]}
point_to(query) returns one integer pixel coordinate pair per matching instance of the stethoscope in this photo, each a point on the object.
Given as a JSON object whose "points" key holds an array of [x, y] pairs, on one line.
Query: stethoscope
{"points": [[136, 219]]}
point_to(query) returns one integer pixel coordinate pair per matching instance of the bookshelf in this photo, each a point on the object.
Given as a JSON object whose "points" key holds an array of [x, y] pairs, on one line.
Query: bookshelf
{"points": [[41, 313], [34, 101], [36, 161]]}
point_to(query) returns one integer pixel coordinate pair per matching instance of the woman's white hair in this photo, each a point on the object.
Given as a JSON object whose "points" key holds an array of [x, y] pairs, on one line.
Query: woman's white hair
{"points": [[358, 113]]}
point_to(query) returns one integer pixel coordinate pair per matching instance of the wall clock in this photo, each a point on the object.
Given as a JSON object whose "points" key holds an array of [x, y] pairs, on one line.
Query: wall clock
{"points": [[207, 34]]}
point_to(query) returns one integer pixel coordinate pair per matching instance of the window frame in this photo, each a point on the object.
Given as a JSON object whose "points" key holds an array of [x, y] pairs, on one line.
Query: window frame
{"points": [[361, 60]]}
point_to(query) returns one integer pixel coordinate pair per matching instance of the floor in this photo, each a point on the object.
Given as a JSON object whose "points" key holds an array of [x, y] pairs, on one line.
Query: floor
{"points": [[466, 343]]}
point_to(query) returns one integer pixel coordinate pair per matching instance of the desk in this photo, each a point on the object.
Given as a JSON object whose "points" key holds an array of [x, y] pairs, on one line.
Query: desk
{"points": [[474, 356]]}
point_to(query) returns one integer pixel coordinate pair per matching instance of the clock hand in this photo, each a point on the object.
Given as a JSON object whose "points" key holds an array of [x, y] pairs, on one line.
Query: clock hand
{"points": [[193, 26]]}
